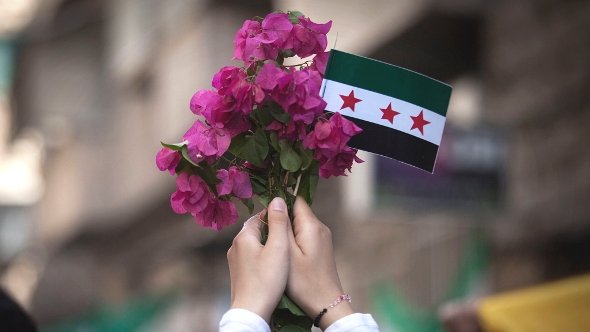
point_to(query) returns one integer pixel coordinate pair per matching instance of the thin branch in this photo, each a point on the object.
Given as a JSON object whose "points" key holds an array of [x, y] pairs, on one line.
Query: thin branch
{"points": [[297, 185]]}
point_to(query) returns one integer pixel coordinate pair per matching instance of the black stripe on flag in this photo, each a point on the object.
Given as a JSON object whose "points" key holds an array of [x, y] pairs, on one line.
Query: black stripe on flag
{"points": [[394, 144]]}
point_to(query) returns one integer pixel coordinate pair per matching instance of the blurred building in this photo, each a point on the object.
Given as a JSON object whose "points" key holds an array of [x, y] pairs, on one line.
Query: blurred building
{"points": [[89, 87]]}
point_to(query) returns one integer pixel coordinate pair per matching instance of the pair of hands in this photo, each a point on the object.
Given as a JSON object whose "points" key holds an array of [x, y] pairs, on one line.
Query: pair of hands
{"points": [[298, 260]]}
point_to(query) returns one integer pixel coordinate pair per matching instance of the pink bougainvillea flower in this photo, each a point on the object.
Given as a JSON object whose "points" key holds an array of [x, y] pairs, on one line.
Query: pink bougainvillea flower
{"points": [[167, 160], [219, 111], [309, 38], [269, 75], [203, 141], [320, 61], [234, 93], [192, 195], [260, 47], [200, 100], [263, 41], [234, 181], [222, 80], [278, 84], [296, 91], [232, 82], [306, 89], [283, 92], [329, 138], [277, 27], [218, 215], [338, 164], [248, 31], [245, 94], [292, 131]]}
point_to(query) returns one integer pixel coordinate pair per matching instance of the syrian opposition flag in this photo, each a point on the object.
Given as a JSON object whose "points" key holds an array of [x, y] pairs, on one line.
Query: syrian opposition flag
{"points": [[402, 113]]}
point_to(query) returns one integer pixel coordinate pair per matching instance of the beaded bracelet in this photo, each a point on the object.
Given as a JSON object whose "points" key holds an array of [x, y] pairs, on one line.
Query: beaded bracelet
{"points": [[343, 297]]}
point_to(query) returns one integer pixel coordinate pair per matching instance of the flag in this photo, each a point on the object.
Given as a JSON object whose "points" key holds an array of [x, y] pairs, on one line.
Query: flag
{"points": [[402, 112]]}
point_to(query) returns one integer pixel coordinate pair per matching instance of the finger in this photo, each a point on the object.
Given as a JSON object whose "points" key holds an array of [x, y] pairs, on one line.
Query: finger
{"points": [[309, 232], [278, 223], [251, 231], [304, 218], [292, 243]]}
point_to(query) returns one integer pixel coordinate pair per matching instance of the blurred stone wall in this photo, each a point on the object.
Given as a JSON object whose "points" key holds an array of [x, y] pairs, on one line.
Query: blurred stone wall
{"points": [[537, 82]]}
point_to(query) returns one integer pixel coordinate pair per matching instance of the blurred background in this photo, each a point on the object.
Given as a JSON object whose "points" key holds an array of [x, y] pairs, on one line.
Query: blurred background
{"points": [[88, 88]]}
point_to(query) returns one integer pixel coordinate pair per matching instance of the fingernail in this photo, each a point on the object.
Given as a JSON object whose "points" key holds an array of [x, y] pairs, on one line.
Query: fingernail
{"points": [[278, 204]]}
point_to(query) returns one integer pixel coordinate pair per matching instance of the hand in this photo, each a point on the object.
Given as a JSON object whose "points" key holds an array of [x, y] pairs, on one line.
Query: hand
{"points": [[313, 279], [259, 272]]}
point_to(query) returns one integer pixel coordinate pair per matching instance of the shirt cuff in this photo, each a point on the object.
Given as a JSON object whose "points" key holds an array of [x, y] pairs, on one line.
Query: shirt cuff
{"points": [[242, 320], [354, 322]]}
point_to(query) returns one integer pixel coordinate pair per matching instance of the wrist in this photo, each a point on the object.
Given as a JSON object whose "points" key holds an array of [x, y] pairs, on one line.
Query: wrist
{"points": [[255, 308], [328, 313], [333, 314]]}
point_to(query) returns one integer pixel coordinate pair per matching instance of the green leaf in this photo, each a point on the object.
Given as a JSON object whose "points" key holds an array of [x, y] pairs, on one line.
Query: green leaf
{"points": [[237, 143], [258, 186], [174, 146], [288, 53], [294, 328], [185, 156], [306, 157], [253, 148], [289, 317], [280, 59], [291, 181], [279, 114], [249, 204], [262, 115], [202, 169], [183, 166], [264, 200], [290, 160], [287, 303], [208, 174], [309, 182], [274, 141], [294, 16]]}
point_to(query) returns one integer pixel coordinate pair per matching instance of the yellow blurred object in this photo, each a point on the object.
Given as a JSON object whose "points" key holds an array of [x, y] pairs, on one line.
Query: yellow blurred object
{"points": [[557, 306]]}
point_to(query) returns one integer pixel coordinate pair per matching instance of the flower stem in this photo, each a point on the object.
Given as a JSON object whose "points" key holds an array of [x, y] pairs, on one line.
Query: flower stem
{"points": [[297, 185]]}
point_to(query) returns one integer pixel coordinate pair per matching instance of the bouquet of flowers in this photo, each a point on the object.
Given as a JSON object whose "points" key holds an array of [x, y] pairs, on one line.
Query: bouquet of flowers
{"points": [[262, 131]]}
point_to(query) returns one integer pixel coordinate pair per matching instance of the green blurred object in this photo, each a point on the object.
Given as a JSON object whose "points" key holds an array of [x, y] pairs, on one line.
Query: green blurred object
{"points": [[129, 317], [7, 51], [397, 314]]}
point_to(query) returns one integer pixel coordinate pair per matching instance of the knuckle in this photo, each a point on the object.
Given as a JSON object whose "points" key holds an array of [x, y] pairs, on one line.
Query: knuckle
{"points": [[278, 222], [325, 231], [229, 252], [236, 242], [319, 228]]}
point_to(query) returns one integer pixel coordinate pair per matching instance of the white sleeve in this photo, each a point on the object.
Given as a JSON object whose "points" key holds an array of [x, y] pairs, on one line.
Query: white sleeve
{"points": [[242, 320], [354, 322]]}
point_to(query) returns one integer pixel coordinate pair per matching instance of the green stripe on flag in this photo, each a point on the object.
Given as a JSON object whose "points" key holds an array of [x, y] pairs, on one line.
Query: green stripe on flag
{"points": [[389, 80]]}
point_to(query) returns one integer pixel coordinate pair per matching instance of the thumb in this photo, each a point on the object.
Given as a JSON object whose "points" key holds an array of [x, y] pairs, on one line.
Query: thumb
{"points": [[304, 216], [278, 223]]}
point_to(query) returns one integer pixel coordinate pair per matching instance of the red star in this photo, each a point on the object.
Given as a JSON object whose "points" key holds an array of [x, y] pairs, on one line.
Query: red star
{"points": [[419, 122], [349, 101], [388, 113]]}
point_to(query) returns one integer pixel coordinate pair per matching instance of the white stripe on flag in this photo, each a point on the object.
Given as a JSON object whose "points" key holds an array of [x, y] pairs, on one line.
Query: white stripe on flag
{"points": [[369, 109]]}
